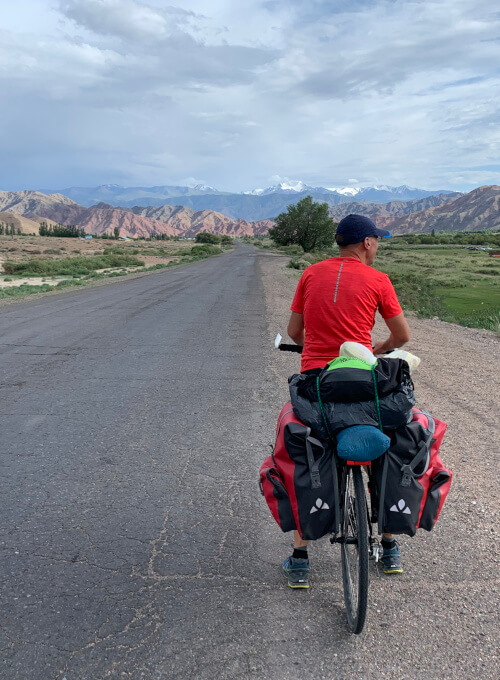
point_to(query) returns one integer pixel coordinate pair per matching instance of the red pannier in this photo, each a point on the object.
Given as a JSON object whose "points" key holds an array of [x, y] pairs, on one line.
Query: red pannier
{"points": [[299, 479], [412, 481]]}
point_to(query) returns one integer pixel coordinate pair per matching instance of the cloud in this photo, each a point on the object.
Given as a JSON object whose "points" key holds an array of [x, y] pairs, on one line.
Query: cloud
{"points": [[124, 18], [141, 92]]}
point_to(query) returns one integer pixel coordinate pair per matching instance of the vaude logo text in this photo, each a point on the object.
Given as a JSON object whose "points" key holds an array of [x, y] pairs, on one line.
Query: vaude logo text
{"points": [[401, 507], [320, 505]]}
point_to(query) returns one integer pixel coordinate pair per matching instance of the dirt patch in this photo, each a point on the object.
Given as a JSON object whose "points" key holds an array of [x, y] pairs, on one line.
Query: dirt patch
{"points": [[32, 281]]}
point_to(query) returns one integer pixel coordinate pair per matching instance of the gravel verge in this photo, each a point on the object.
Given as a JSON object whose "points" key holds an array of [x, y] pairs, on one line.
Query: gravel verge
{"points": [[440, 618]]}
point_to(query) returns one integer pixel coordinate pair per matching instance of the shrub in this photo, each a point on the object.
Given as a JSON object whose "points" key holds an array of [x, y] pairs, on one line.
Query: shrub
{"points": [[204, 250], [487, 319], [298, 263], [292, 250], [207, 237]]}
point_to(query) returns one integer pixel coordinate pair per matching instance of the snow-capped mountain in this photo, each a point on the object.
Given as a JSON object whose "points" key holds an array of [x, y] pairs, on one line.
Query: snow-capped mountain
{"points": [[345, 191], [205, 187], [288, 187], [381, 192]]}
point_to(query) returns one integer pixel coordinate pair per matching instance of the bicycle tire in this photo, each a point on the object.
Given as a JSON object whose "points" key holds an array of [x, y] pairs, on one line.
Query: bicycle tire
{"points": [[354, 554]]}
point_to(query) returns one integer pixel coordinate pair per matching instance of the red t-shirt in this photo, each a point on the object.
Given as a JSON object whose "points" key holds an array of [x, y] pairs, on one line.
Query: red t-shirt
{"points": [[339, 298]]}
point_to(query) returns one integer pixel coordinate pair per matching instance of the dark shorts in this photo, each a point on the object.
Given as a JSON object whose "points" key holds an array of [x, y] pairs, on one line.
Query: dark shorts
{"points": [[312, 371]]}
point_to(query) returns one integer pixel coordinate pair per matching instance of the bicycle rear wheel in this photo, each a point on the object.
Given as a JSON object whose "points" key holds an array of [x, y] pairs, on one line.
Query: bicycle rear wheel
{"points": [[354, 548]]}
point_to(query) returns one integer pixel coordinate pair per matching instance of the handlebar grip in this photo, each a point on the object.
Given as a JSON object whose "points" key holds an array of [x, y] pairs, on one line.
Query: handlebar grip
{"points": [[291, 348]]}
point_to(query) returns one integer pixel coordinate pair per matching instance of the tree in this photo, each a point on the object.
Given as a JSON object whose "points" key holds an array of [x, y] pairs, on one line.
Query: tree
{"points": [[306, 224], [116, 232]]}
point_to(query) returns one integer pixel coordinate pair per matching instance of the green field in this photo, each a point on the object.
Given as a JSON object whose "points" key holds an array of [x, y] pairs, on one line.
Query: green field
{"points": [[450, 282]]}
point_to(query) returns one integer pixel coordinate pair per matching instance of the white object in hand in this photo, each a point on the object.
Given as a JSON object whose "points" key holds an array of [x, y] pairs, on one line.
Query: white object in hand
{"points": [[410, 359], [357, 351], [277, 340]]}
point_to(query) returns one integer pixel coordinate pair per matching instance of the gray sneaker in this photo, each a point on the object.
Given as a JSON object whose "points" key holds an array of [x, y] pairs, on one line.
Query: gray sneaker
{"points": [[297, 571], [391, 560]]}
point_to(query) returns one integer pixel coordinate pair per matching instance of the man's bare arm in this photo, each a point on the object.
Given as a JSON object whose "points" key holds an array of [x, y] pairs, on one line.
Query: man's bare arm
{"points": [[400, 334], [296, 328]]}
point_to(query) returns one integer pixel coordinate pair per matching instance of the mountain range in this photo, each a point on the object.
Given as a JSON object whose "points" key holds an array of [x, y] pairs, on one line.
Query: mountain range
{"points": [[385, 214], [479, 209], [139, 222], [257, 204]]}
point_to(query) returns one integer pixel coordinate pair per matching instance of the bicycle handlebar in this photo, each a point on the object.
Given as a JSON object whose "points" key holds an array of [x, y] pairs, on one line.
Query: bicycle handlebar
{"points": [[291, 348], [286, 348]]}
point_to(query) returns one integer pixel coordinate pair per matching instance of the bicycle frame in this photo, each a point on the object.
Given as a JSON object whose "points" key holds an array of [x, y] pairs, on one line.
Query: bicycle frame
{"points": [[371, 508]]}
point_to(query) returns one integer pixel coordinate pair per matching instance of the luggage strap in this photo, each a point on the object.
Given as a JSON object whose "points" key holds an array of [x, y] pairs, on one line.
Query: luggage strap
{"points": [[321, 408], [423, 453], [313, 465], [408, 470], [377, 400]]}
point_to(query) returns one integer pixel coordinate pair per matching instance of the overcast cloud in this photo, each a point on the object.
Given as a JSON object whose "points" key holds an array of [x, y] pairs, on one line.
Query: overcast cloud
{"points": [[238, 95]]}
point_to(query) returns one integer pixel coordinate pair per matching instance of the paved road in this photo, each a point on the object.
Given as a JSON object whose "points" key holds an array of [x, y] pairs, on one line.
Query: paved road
{"points": [[127, 485], [134, 543]]}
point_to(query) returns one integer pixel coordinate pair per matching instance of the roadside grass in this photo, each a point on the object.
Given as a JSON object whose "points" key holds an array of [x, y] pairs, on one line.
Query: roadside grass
{"points": [[71, 266], [82, 271], [27, 289]]}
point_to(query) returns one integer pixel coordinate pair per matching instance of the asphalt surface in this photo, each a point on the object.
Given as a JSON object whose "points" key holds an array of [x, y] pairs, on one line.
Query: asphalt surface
{"points": [[134, 541]]}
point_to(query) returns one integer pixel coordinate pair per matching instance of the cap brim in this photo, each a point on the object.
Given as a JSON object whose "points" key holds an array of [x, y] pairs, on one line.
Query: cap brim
{"points": [[383, 233]]}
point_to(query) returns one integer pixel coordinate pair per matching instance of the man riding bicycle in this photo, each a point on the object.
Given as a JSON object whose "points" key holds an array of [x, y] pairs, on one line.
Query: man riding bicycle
{"points": [[336, 301]]}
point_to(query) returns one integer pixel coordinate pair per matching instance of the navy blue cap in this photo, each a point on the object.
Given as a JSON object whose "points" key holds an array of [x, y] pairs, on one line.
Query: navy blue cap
{"points": [[355, 228]]}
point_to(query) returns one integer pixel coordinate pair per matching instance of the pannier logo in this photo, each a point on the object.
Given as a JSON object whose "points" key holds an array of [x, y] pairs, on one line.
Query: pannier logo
{"points": [[320, 505], [399, 507]]}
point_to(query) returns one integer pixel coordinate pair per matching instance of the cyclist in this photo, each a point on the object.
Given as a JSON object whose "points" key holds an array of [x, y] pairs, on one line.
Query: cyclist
{"points": [[336, 301]]}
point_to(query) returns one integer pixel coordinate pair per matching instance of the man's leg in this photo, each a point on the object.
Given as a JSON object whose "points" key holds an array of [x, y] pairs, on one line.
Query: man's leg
{"points": [[298, 541], [391, 557], [296, 567]]}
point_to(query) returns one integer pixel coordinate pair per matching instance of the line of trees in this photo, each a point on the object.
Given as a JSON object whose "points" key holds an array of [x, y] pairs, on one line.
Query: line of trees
{"points": [[9, 230], [474, 238], [60, 230]]}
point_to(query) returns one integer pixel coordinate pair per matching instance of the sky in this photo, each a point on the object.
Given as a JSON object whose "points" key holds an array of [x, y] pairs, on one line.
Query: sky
{"points": [[243, 95]]}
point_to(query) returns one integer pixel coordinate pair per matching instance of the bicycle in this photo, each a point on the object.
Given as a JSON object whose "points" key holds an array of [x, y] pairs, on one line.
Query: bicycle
{"points": [[354, 532]]}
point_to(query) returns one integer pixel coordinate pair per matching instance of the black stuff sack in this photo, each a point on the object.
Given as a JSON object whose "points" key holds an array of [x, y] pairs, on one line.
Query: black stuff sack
{"points": [[348, 380]]}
